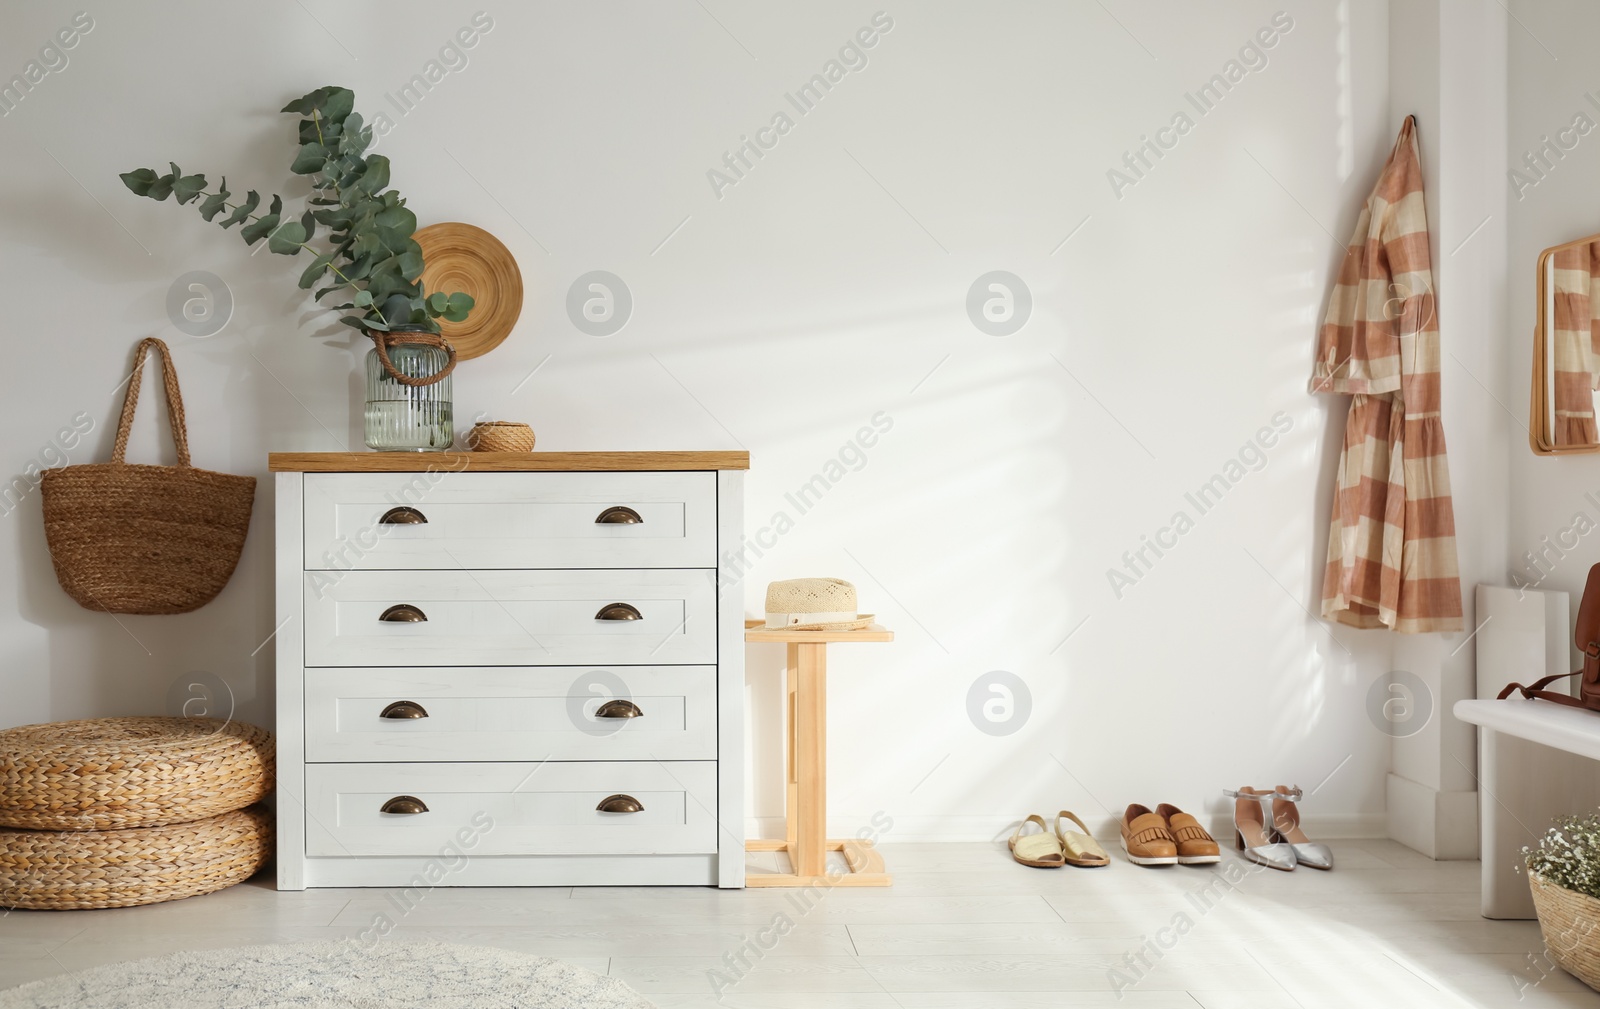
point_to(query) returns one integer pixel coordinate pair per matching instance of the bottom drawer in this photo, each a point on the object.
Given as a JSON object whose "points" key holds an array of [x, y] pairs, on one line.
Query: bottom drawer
{"points": [[511, 808]]}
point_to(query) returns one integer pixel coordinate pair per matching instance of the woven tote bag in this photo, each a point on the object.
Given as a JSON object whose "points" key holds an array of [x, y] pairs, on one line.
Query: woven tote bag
{"points": [[145, 539]]}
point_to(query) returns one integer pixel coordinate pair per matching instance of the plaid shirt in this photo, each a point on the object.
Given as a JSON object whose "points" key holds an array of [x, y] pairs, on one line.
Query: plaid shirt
{"points": [[1392, 547]]}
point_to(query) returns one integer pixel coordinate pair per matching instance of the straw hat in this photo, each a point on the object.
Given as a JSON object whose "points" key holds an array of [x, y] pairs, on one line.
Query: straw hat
{"points": [[814, 604]]}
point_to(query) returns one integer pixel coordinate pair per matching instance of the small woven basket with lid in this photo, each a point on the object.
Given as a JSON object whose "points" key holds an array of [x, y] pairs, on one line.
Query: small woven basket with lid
{"points": [[500, 436]]}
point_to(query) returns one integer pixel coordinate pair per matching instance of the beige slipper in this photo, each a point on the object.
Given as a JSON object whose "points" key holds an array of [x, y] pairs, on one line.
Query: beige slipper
{"points": [[1079, 846], [1041, 850]]}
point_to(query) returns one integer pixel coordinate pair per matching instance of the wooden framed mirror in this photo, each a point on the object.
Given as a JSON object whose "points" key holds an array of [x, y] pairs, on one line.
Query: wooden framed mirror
{"points": [[1566, 350]]}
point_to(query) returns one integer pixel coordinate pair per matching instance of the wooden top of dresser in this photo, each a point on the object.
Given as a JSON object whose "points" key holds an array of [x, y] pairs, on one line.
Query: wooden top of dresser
{"points": [[500, 462]]}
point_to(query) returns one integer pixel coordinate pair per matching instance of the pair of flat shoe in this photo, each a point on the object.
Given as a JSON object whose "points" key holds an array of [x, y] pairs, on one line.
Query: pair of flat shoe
{"points": [[1166, 836], [1051, 849]]}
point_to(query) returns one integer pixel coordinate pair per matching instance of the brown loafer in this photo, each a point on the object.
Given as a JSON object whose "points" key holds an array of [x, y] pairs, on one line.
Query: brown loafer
{"points": [[1195, 846], [1146, 837]]}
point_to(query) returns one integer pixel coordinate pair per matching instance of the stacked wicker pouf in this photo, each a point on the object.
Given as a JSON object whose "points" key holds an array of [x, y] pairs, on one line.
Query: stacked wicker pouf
{"points": [[113, 812]]}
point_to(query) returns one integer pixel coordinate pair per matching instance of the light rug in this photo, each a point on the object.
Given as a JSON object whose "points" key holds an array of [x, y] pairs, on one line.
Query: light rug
{"points": [[340, 974]]}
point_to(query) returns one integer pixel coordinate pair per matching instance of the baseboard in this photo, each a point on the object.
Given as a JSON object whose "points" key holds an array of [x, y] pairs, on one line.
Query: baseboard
{"points": [[1329, 826], [1440, 825]]}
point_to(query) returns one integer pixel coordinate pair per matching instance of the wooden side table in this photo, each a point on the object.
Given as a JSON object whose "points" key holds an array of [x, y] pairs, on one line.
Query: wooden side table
{"points": [[806, 805]]}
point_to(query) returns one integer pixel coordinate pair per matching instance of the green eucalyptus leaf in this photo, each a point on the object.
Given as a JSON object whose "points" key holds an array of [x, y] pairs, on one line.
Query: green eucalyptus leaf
{"points": [[410, 263], [187, 187], [308, 224], [363, 299], [376, 175], [277, 206], [386, 274], [314, 272], [260, 228], [286, 238], [354, 138], [397, 219], [373, 322], [243, 211], [310, 159], [459, 305], [326, 291], [354, 323], [213, 205], [438, 301], [139, 180], [304, 104], [338, 104], [393, 239], [161, 188]]}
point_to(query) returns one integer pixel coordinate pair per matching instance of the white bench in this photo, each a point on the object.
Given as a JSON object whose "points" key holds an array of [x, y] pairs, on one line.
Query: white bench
{"points": [[1529, 773]]}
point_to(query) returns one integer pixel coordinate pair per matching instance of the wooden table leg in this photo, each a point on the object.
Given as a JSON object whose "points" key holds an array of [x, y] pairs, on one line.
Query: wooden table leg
{"points": [[791, 802], [809, 665], [806, 799]]}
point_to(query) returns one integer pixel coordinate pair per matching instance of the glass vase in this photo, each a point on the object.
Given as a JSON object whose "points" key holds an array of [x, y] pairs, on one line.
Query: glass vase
{"points": [[408, 418]]}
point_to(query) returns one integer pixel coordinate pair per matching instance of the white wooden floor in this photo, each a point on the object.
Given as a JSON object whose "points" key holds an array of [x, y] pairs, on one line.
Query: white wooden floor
{"points": [[963, 928]]}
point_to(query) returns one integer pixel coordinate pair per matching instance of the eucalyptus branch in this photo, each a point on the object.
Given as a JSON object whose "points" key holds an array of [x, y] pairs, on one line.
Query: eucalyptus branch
{"points": [[372, 227]]}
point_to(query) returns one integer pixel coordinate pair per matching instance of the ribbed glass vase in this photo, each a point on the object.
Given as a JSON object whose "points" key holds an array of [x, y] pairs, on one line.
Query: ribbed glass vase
{"points": [[408, 418]]}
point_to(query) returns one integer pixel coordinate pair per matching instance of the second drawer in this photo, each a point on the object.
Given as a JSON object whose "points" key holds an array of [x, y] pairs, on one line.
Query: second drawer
{"points": [[506, 618], [511, 713]]}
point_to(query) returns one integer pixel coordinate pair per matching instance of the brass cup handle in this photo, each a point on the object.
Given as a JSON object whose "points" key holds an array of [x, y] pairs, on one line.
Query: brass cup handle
{"points": [[619, 611], [618, 708], [404, 709], [403, 516], [403, 613], [620, 804], [405, 805], [619, 515]]}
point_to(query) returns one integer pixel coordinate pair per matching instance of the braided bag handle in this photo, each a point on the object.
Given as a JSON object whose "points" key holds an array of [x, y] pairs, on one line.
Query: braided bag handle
{"points": [[130, 402], [382, 341]]}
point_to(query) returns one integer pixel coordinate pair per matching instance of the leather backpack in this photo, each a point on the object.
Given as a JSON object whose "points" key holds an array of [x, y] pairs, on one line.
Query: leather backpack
{"points": [[1587, 638]]}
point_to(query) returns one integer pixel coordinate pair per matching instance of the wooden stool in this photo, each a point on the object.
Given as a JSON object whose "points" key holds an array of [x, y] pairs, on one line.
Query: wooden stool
{"points": [[806, 804]]}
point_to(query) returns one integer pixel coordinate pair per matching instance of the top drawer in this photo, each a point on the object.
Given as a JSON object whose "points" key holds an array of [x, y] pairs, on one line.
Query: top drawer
{"points": [[376, 521]]}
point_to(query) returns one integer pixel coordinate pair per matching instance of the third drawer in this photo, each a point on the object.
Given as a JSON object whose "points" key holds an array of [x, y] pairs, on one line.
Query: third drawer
{"points": [[512, 713]]}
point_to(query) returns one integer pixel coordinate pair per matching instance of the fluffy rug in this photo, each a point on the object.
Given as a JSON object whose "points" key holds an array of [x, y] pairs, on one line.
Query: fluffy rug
{"points": [[331, 975]]}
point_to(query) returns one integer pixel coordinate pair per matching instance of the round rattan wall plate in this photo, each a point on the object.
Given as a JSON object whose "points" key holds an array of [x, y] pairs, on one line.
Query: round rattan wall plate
{"points": [[461, 257]]}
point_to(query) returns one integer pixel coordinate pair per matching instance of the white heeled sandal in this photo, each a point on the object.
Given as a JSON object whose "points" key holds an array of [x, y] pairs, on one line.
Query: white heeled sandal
{"points": [[1251, 832], [1286, 827]]}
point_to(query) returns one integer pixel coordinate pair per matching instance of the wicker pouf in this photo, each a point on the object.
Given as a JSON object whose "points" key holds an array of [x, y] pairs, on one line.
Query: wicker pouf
{"points": [[1569, 921], [61, 870], [108, 773]]}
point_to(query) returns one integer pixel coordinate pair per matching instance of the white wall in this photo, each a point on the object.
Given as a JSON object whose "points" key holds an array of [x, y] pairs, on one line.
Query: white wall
{"points": [[1549, 83], [1450, 71], [826, 287]]}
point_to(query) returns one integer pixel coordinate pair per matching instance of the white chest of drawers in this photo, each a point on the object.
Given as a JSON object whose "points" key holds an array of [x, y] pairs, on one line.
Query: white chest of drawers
{"points": [[509, 669]]}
